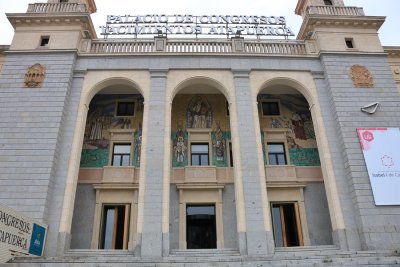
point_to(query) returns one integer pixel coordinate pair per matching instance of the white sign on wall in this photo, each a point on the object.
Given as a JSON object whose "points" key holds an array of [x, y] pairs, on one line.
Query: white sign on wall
{"points": [[381, 149], [20, 235]]}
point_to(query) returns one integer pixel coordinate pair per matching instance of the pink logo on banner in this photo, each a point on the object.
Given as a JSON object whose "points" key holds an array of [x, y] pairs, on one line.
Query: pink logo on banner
{"points": [[368, 136]]}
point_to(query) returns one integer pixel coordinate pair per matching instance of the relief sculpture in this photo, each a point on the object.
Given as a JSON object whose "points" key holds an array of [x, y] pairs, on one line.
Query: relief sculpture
{"points": [[361, 76], [34, 76]]}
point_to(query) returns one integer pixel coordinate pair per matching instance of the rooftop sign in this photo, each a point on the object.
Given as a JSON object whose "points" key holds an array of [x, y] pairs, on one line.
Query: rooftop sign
{"points": [[230, 25]]}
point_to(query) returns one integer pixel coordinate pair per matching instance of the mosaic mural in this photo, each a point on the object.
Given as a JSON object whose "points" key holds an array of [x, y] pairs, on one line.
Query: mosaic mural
{"points": [[137, 147], [219, 147], [93, 158], [199, 113], [304, 157], [180, 148], [100, 120], [295, 117]]}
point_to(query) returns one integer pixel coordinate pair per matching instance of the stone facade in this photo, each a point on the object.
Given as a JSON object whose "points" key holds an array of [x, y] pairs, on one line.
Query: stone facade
{"points": [[58, 140]]}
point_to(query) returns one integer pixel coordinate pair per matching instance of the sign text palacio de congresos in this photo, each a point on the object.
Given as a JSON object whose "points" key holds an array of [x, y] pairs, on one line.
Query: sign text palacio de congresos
{"points": [[198, 25]]}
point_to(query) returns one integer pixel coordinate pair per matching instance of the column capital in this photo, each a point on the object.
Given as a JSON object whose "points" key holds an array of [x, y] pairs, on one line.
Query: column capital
{"points": [[318, 74], [241, 73], [158, 73]]}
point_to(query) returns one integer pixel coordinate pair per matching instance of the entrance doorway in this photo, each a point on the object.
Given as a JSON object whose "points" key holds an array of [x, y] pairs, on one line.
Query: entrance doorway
{"points": [[115, 223], [201, 227], [286, 224]]}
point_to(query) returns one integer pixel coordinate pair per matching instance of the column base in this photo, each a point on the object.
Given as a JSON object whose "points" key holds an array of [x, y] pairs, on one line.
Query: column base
{"points": [[151, 245], [256, 243]]}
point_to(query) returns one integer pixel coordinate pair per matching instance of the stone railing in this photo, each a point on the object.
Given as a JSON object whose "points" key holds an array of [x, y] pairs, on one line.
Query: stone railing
{"points": [[216, 46], [117, 46], [276, 48], [336, 10], [56, 8], [292, 174], [194, 46]]}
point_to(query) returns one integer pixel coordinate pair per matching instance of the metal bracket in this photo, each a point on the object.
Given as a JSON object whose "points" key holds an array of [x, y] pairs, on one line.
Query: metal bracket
{"points": [[371, 108]]}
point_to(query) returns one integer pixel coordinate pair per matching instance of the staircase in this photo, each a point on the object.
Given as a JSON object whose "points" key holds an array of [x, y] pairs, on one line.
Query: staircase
{"points": [[283, 257]]}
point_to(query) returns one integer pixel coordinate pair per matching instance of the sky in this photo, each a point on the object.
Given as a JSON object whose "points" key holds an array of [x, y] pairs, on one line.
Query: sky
{"points": [[389, 33]]}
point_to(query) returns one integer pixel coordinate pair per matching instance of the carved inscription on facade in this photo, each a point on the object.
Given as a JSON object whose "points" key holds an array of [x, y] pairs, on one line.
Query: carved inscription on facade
{"points": [[361, 76], [34, 76]]}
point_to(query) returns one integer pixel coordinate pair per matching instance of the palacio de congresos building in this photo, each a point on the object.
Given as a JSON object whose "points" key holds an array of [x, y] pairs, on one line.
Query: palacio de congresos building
{"points": [[198, 140]]}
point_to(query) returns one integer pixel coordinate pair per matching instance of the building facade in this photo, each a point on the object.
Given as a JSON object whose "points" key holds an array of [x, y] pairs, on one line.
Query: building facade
{"points": [[158, 146]]}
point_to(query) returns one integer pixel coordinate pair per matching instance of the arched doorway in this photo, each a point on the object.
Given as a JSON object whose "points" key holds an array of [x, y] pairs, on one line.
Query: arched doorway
{"points": [[107, 191], [295, 183], [202, 193]]}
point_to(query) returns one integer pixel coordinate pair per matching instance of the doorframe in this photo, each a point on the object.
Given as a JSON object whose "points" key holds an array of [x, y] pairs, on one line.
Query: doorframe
{"points": [[200, 194], [288, 194]]}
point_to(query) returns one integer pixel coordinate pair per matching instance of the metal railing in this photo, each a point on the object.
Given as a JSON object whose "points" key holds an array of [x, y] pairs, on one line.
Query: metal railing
{"points": [[336, 10], [56, 8]]}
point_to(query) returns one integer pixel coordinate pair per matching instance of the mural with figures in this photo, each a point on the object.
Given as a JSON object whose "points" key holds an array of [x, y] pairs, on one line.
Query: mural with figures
{"points": [[192, 112], [105, 114], [180, 148], [295, 117], [219, 147]]}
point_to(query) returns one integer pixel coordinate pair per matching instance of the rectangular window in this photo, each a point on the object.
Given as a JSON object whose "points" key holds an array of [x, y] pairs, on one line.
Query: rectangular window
{"points": [[286, 225], [125, 109], [121, 155], [276, 154], [199, 154], [349, 42], [44, 41], [270, 108], [115, 227]]}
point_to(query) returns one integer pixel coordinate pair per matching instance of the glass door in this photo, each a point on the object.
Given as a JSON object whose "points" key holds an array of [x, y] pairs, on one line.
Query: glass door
{"points": [[201, 227]]}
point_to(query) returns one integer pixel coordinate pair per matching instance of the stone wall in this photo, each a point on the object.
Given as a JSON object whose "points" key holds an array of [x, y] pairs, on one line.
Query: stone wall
{"points": [[378, 225]]}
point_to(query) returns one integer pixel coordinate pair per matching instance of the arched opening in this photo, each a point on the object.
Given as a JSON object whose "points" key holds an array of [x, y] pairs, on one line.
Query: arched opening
{"points": [[295, 184], [107, 190], [202, 194], [328, 2]]}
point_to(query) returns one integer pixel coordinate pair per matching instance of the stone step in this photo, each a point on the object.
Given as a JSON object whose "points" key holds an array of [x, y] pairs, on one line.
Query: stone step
{"points": [[343, 262], [204, 252], [184, 258]]}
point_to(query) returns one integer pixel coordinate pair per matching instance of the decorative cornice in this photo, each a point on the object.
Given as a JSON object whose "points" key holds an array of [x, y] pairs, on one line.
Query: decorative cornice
{"points": [[33, 19], [4, 48], [392, 51], [310, 22]]}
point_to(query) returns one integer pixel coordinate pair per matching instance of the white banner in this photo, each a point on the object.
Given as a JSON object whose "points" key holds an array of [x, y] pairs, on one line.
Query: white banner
{"points": [[381, 149], [19, 235]]}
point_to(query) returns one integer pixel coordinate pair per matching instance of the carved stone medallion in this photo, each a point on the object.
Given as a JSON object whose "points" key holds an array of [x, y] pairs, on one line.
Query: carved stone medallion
{"points": [[34, 76], [361, 76]]}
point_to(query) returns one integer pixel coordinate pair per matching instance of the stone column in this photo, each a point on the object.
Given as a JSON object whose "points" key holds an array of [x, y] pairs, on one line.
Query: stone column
{"points": [[151, 181], [258, 233]]}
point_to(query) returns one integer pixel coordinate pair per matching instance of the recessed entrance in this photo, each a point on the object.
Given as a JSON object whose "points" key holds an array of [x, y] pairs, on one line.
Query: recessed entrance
{"points": [[201, 227], [114, 234], [286, 223]]}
